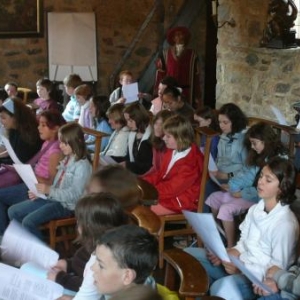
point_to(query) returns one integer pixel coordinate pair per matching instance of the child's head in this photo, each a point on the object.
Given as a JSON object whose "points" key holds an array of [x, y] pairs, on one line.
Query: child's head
{"points": [[96, 213], [277, 181], [83, 93], [49, 123], [172, 98], [72, 142], [231, 119], [116, 116], [125, 256], [205, 116], [158, 132], [262, 142], [71, 82], [11, 89], [137, 117], [125, 77], [118, 181], [165, 82], [179, 133], [99, 106], [43, 88]]}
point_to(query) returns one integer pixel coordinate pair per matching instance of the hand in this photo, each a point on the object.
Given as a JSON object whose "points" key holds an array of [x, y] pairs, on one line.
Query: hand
{"points": [[271, 271], [230, 268], [32, 196], [233, 252], [215, 261], [51, 275], [270, 283], [121, 100], [43, 188], [61, 265], [236, 194], [225, 187], [123, 164]]}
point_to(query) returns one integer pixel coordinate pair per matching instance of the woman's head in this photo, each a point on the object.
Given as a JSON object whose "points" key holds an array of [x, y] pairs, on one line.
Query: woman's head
{"points": [[277, 181], [231, 119], [71, 139], [98, 107], [172, 98], [96, 213], [116, 116], [49, 123], [205, 116], [118, 181], [137, 117], [179, 133]]}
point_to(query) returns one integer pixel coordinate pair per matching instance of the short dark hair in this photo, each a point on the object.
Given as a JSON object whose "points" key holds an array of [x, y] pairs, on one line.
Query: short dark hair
{"points": [[46, 83], [285, 172], [169, 81], [173, 91], [72, 80], [139, 114], [96, 213], [235, 115], [132, 247]]}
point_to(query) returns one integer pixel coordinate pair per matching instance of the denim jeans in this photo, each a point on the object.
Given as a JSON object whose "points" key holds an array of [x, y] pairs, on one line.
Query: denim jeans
{"points": [[229, 287], [10, 196], [272, 297], [32, 214]]}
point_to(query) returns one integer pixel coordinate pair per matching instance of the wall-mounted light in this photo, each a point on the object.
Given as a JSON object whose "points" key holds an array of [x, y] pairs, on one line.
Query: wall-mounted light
{"points": [[214, 15]]}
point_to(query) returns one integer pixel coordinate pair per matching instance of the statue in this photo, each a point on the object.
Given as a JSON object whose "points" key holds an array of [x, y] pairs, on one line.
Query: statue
{"points": [[283, 13], [181, 63]]}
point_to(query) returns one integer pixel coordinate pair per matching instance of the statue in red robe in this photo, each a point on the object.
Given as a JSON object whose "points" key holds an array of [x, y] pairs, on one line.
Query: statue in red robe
{"points": [[181, 63]]}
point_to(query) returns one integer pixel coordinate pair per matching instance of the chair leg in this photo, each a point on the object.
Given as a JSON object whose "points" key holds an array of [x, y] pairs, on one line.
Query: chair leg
{"points": [[161, 245], [52, 235]]}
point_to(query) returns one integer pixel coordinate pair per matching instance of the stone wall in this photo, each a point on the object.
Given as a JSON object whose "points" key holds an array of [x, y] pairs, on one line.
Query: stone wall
{"points": [[251, 76], [24, 60]]}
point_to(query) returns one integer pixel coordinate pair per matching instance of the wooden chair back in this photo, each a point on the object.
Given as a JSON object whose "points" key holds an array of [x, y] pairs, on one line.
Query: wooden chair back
{"points": [[24, 93]]}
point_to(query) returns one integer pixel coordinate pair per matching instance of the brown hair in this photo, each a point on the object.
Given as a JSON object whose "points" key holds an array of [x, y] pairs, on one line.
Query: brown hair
{"points": [[139, 114], [83, 90], [72, 134], [182, 131], [72, 80], [46, 83], [116, 113]]}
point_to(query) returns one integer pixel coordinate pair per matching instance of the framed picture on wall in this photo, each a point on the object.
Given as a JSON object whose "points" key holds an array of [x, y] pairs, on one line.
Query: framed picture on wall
{"points": [[21, 19]]}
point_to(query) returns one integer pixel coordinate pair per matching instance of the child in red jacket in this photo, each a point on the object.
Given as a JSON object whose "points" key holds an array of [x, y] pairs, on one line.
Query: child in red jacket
{"points": [[178, 179]]}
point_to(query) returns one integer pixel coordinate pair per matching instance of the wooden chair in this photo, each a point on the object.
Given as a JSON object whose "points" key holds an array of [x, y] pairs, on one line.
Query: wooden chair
{"points": [[187, 230], [64, 230], [193, 279], [24, 93]]}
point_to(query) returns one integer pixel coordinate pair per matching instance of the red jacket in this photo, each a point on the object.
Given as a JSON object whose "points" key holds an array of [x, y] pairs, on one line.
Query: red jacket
{"points": [[181, 186]]}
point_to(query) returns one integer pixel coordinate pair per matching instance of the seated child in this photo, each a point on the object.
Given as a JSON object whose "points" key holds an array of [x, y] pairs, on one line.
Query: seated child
{"points": [[44, 87], [11, 89], [72, 109]]}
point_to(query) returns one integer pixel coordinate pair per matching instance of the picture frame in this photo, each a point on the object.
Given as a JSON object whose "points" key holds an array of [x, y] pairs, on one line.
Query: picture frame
{"points": [[21, 19]]}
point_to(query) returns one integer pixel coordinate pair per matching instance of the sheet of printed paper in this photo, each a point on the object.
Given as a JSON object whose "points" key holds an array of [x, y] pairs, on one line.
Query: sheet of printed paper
{"points": [[205, 226], [20, 246], [28, 176], [10, 150], [131, 92], [239, 264], [17, 284]]}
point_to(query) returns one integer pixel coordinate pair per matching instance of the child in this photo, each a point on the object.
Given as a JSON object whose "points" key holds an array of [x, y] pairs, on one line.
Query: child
{"points": [[21, 128], [72, 110], [44, 162], [125, 256], [98, 107], [178, 179], [157, 103], [95, 214], [125, 77], [44, 88], [174, 101], [139, 158], [269, 235], [117, 145], [11, 89], [158, 144], [262, 144], [68, 186], [83, 93], [205, 116]]}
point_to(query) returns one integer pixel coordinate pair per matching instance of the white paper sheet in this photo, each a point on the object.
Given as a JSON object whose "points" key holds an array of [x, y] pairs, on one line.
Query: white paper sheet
{"points": [[279, 115], [106, 160], [205, 226], [10, 150], [20, 246], [16, 284], [248, 274], [212, 166], [28, 176], [130, 92]]}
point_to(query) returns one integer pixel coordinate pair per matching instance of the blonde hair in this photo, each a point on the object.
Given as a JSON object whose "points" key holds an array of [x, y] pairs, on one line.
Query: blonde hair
{"points": [[182, 131]]}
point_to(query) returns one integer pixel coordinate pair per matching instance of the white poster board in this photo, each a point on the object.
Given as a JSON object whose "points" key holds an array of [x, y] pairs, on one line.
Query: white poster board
{"points": [[72, 45]]}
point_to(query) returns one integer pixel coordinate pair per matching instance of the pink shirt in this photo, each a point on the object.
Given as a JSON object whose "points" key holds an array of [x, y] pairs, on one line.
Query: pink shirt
{"points": [[42, 167]]}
